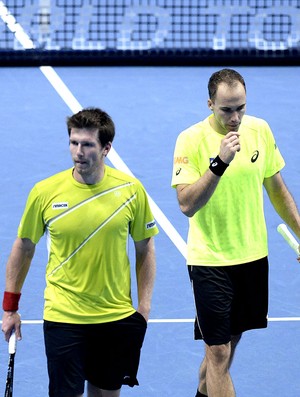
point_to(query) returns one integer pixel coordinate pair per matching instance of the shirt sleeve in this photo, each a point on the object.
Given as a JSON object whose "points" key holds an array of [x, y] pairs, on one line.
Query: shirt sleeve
{"points": [[185, 162], [143, 224], [32, 224], [275, 161]]}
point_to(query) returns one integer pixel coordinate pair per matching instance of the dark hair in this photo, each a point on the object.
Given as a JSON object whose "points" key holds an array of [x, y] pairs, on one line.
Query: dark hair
{"points": [[93, 118], [227, 76]]}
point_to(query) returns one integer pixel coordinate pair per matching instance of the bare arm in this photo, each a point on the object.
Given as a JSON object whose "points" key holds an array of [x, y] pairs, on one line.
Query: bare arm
{"points": [[145, 270], [283, 202], [193, 197], [16, 270]]}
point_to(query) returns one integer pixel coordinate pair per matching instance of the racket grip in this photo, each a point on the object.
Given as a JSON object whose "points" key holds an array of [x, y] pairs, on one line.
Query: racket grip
{"points": [[12, 343], [287, 235]]}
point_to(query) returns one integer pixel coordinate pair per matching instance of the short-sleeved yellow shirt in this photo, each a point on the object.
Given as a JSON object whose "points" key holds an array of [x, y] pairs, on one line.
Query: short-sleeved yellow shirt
{"points": [[87, 228], [230, 229]]}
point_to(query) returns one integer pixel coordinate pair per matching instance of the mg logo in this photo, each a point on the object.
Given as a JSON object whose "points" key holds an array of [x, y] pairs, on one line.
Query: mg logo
{"points": [[181, 160]]}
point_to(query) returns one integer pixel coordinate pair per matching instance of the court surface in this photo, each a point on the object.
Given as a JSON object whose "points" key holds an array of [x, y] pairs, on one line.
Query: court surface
{"points": [[150, 106]]}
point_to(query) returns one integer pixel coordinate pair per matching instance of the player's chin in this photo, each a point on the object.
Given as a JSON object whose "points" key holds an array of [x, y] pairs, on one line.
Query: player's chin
{"points": [[82, 170], [234, 128]]}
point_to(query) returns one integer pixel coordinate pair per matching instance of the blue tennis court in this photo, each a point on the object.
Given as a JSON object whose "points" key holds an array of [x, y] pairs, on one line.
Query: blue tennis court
{"points": [[150, 106]]}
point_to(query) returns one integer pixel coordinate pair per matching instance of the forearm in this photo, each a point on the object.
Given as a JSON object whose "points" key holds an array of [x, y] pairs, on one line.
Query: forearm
{"points": [[283, 202], [193, 197], [16, 270], [18, 264], [145, 270], [286, 208]]}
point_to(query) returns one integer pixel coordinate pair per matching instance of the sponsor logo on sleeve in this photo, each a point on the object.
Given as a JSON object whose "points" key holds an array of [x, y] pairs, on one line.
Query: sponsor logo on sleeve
{"points": [[150, 225], [181, 160]]}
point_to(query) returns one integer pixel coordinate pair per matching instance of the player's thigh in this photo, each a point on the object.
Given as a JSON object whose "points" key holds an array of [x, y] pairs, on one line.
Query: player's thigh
{"points": [[250, 303], [213, 294], [64, 344], [113, 357], [93, 391]]}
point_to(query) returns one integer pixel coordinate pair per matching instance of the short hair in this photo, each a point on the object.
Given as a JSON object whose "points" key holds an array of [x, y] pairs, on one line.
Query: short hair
{"points": [[93, 118], [227, 76]]}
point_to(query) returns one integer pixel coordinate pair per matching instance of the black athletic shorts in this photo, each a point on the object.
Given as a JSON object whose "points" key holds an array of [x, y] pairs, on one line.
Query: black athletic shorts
{"points": [[229, 299], [107, 355]]}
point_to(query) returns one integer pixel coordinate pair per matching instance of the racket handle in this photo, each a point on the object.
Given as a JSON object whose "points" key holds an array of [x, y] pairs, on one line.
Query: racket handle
{"points": [[289, 238], [12, 344]]}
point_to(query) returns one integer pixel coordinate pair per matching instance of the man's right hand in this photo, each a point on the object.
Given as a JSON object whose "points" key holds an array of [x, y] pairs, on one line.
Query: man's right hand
{"points": [[230, 144], [11, 321]]}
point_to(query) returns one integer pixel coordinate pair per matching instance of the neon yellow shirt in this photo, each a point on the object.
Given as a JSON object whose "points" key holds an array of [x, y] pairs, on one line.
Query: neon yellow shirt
{"points": [[230, 229], [87, 228]]}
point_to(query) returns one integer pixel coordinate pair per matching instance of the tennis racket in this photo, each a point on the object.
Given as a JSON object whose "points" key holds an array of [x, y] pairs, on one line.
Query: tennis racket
{"points": [[12, 345], [289, 238]]}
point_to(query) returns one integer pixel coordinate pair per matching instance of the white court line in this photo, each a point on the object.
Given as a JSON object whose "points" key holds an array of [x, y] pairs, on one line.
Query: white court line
{"points": [[191, 320], [183, 320]]}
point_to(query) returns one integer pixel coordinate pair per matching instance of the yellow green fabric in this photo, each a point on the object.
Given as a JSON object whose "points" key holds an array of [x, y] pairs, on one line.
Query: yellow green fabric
{"points": [[230, 229], [87, 228]]}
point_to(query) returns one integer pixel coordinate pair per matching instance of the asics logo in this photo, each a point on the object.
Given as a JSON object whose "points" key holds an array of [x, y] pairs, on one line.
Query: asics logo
{"points": [[178, 171], [254, 156], [214, 164]]}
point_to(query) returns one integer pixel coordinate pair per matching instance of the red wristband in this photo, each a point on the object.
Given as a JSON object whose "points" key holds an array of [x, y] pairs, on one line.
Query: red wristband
{"points": [[11, 301]]}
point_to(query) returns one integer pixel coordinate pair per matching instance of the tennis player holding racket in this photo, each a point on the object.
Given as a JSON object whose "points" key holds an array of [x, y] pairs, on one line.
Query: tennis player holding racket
{"points": [[220, 168], [92, 331]]}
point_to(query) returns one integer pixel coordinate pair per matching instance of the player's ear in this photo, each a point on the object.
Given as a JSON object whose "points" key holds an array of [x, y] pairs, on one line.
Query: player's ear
{"points": [[107, 148], [210, 104]]}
